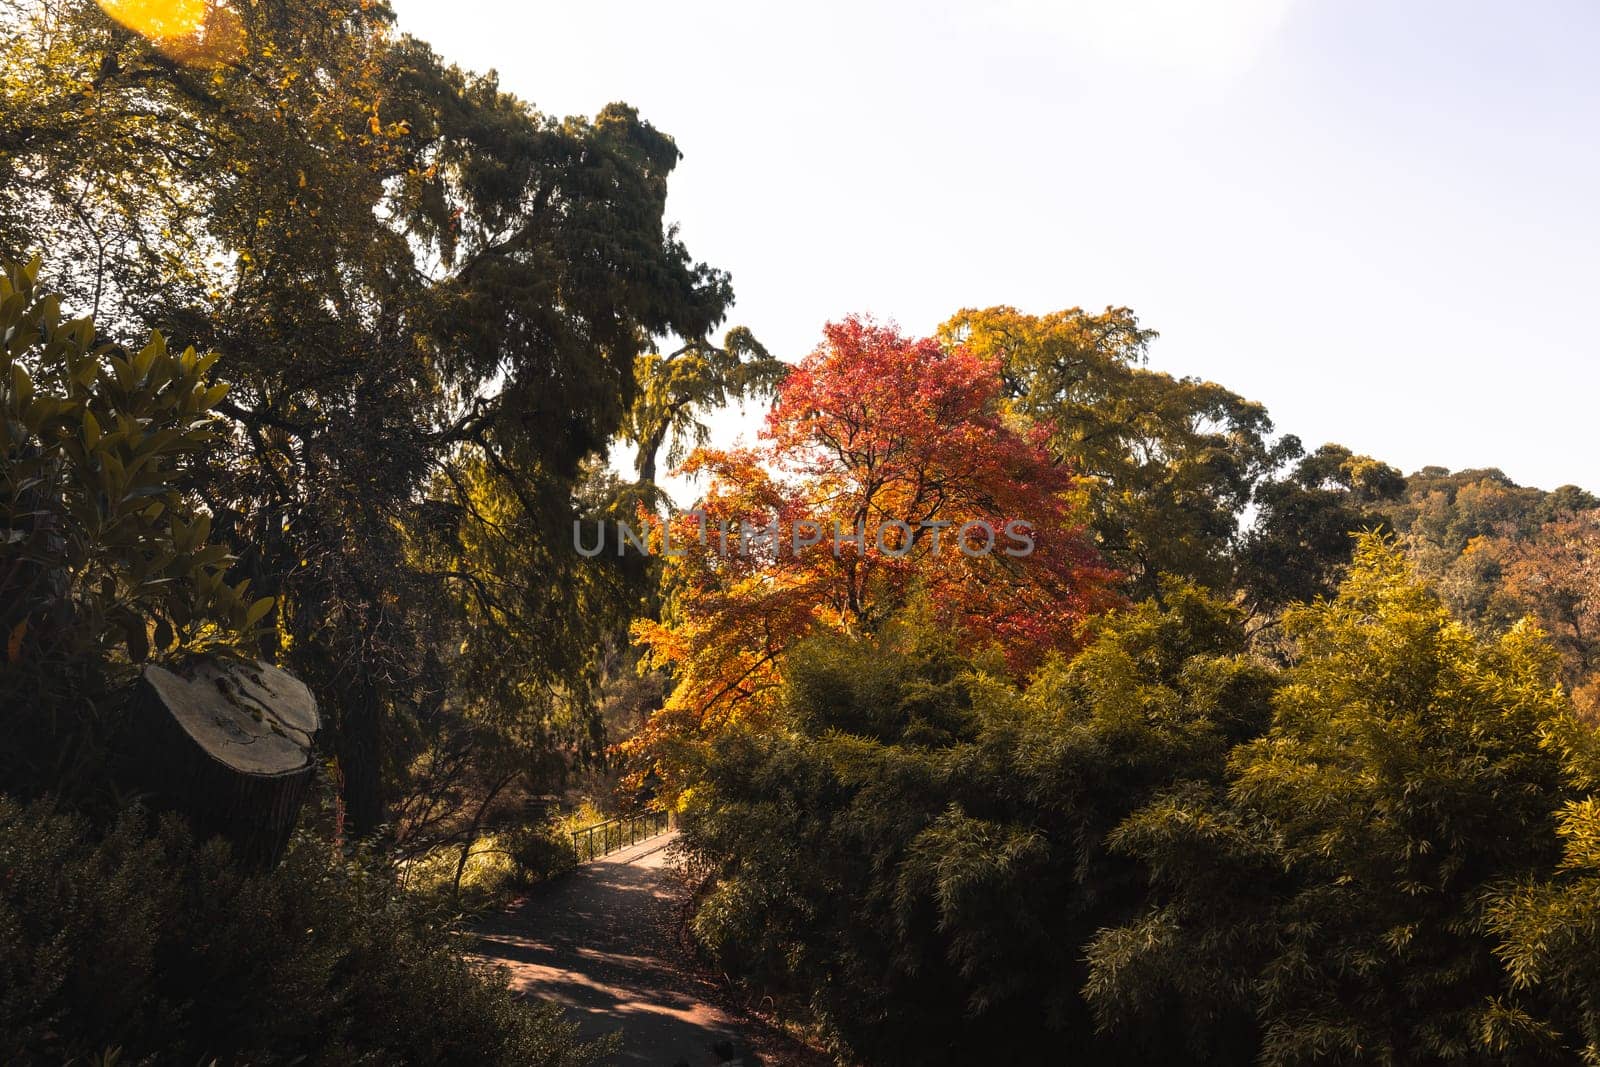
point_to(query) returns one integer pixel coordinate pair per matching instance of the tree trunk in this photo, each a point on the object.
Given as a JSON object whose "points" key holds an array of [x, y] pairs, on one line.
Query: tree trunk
{"points": [[649, 449], [229, 744], [359, 744]]}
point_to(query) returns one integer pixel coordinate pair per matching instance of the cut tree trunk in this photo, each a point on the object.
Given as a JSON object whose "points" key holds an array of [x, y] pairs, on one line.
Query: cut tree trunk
{"points": [[229, 744]]}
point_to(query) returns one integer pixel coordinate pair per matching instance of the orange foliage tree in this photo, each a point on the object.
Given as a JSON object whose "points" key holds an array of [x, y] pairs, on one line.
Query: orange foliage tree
{"points": [[888, 477], [1555, 576]]}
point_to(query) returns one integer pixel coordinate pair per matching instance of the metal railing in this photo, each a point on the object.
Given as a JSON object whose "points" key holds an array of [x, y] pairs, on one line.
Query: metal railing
{"points": [[613, 835]]}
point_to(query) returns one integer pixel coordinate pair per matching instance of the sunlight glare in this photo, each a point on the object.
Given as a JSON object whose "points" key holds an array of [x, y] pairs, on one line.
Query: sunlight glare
{"points": [[194, 32]]}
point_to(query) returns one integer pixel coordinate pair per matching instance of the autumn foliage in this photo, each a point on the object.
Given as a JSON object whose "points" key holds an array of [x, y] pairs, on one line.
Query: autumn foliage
{"points": [[1554, 576], [888, 478]]}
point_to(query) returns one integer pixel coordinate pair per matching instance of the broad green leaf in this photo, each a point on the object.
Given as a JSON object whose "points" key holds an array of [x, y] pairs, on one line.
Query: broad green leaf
{"points": [[212, 396], [258, 611]]}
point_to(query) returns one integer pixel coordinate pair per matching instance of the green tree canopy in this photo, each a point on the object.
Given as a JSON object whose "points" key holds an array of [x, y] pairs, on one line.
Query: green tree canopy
{"points": [[1305, 524], [1172, 462], [424, 289], [677, 389]]}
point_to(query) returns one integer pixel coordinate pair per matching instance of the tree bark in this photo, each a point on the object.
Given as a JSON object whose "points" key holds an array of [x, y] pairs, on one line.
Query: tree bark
{"points": [[359, 745], [230, 745]]}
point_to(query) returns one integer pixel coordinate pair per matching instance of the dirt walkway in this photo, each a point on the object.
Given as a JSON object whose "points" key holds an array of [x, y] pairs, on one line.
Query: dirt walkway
{"points": [[599, 942]]}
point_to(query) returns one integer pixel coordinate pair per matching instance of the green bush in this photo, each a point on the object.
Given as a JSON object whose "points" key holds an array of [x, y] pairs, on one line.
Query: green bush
{"points": [[105, 560], [915, 859], [1341, 885], [1164, 851], [499, 865], [488, 878], [148, 942], [542, 854]]}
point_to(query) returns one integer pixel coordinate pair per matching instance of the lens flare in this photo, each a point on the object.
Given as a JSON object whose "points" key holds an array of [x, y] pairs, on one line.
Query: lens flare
{"points": [[199, 33]]}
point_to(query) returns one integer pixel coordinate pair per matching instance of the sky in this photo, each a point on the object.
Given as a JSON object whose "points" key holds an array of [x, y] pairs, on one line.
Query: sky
{"points": [[1380, 218]]}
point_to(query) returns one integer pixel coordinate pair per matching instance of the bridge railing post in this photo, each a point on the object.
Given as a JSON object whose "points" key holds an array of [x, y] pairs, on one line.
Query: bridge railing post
{"points": [[624, 831]]}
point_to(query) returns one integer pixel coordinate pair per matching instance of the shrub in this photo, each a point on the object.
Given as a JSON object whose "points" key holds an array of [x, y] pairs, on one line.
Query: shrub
{"points": [[915, 860], [104, 561], [542, 854], [147, 941], [499, 865], [487, 878], [1335, 886]]}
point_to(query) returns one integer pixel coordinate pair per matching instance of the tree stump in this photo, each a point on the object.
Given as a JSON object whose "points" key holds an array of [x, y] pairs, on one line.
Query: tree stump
{"points": [[229, 744]]}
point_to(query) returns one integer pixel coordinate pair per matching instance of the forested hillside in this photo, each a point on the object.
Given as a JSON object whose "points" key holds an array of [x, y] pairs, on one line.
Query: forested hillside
{"points": [[1018, 702]]}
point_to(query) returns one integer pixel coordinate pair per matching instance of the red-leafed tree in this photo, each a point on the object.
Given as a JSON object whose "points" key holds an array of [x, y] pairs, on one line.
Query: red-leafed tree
{"points": [[888, 475]]}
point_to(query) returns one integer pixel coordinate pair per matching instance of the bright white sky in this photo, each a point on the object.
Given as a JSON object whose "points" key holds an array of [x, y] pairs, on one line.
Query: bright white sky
{"points": [[1378, 217]]}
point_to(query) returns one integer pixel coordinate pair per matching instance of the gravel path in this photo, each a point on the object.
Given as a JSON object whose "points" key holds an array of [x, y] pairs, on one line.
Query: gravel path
{"points": [[599, 942]]}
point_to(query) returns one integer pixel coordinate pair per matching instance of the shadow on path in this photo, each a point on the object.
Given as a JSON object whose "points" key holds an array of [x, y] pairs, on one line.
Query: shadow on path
{"points": [[592, 941]]}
